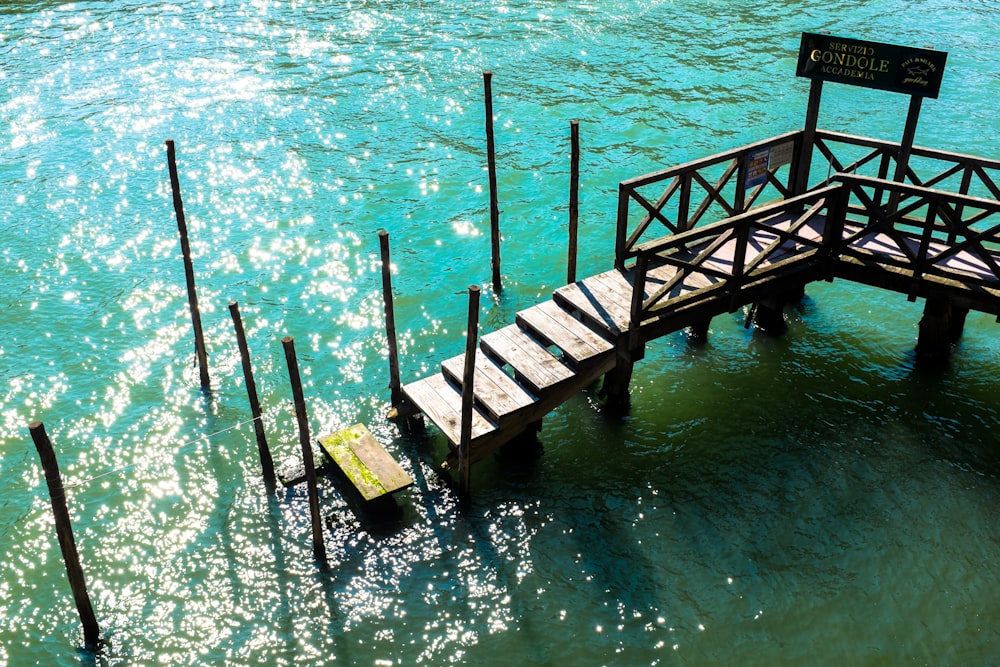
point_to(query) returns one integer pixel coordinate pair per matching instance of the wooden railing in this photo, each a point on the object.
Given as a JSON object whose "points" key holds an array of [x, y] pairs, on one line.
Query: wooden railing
{"points": [[677, 199], [681, 217], [928, 168], [920, 231], [795, 230]]}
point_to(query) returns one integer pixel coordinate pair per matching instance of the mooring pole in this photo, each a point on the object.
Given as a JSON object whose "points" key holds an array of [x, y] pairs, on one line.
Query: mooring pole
{"points": [[319, 548], [808, 137], [492, 168], [64, 530], [468, 378], [395, 390], [199, 338], [574, 198], [266, 462]]}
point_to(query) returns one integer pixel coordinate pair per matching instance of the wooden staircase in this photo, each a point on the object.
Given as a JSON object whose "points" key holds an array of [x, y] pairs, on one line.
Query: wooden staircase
{"points": [[522, 371]]}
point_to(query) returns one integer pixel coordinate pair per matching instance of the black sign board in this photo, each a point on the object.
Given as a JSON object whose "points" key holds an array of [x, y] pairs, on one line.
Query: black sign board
{"points": [[899, 69]]}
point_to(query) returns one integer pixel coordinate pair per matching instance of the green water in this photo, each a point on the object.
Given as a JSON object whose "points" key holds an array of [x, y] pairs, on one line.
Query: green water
{"points": [[810, 499]]}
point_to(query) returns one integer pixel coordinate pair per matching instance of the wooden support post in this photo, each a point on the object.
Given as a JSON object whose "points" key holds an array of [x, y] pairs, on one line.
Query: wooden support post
{"points": [[940, 327], [266, 462], [804, 158], [768, 315], [468, 377], [698, 332], [958, 316], [395, 386], [64, 530], [492, 168], [909, 134], [614, 389], [574, 199], [905, 148], [319, 548], [199, 338]]}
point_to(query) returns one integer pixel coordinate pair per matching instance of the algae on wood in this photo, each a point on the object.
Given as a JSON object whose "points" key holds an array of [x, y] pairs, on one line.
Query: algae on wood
{"points": [[364, 462]]}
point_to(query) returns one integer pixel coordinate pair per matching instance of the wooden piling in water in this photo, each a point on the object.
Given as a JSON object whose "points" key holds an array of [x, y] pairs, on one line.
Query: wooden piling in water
{"points": [[266, 462], [319, 548], [395, 386], [64, 530], [468, 376], [492, 169], [574, 199], [199, 337]]}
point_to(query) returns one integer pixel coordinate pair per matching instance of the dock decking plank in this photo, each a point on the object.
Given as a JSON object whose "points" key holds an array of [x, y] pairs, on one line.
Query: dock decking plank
{"points": [[532, 363], [600, 304], [498, 393], [577, 341], [442, 403]]}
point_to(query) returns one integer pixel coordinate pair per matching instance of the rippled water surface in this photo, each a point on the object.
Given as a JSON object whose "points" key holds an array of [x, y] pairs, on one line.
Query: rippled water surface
{"points": [[810, 499]]}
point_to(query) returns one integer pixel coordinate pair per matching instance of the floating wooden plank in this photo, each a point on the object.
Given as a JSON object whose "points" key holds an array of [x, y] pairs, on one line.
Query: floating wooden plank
{"points": [[442, 403], [579, 343], [532, 363], [364, 462], [500, 396]]}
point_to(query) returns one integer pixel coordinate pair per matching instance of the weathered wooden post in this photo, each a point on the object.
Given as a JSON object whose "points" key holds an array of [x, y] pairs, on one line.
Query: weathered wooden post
{"points": [[319, 548], [199, 337], [804, 158], [395, 387], [905, 148], [629, 347], [468, 378], [266, 462], [64, 530], [492, 169], [574, 199]]}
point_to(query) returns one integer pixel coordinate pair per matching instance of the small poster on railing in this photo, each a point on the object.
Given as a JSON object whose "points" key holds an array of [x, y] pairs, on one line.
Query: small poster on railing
{"points": [[757, 165]]}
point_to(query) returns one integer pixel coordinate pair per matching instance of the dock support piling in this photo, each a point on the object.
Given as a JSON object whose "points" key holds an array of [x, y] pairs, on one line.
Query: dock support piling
{"points": [[574, 199], [199, 337], [64, 530], [492, 169], [395, 386], [698, 332], [266, 462], [468, 378], [940, 327], [319, 548]]}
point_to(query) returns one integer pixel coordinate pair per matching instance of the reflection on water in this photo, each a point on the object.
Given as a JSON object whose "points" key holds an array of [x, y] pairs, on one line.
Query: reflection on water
{"points": [[812, 499]]}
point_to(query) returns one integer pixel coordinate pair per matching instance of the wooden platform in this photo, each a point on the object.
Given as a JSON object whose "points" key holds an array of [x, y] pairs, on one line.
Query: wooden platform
{"points": [[365, 463], [562, 345]]}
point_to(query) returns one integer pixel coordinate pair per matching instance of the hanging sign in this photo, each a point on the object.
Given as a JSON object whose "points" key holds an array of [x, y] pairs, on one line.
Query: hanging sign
{"points": [[899, 69]]}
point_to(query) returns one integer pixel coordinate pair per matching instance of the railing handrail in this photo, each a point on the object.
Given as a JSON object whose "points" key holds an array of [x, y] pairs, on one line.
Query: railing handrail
{"points": [[916, 151], [681, 178], [711, 160], [942, 211], [910, 189]]}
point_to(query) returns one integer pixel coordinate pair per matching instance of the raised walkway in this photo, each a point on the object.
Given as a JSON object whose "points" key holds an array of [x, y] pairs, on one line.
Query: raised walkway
{"points": [[694, 242]]}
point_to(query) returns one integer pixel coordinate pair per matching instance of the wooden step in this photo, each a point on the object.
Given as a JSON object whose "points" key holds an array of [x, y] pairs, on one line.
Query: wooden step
{"points": [[496, 393], [364, 462], [550, 323], [599, 299], [533, 365], [442, 403]]}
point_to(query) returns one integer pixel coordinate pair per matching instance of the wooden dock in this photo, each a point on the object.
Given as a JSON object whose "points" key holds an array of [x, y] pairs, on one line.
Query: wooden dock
{"points": [[701, 245]]}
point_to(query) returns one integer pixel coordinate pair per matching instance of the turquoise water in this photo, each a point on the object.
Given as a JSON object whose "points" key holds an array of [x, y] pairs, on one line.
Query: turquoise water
{"points": [[811, 499]]}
